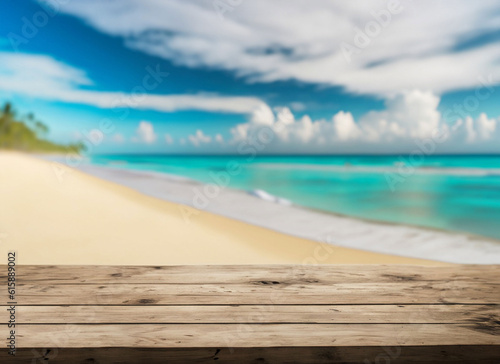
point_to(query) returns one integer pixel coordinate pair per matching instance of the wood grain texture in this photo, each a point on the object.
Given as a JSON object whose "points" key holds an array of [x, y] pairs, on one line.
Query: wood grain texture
{"points": [[258, 293], [252, 335], [238, 274], [355, 314], [255, 314]]}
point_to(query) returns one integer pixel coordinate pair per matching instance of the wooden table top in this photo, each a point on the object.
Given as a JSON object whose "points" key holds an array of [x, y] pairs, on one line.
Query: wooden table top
{"points": [[255, 314]]}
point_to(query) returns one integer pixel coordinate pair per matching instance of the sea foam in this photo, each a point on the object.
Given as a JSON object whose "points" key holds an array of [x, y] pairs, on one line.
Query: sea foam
{"points": [[263, 195]]}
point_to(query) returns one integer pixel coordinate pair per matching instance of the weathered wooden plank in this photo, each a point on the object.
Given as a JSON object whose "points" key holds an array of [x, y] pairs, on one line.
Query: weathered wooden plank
{"points": [[237, 274], [258, 293], [347, 314], [483, 354], [254, 335], [374, 314]]}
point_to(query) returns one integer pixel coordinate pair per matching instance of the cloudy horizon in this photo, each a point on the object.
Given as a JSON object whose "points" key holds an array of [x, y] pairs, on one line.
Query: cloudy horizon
{"points": [[210, 76]]}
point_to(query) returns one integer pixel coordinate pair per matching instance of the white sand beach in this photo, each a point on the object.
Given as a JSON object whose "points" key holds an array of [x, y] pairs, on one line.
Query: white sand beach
{"points": [[53, 214], [337, 230]]}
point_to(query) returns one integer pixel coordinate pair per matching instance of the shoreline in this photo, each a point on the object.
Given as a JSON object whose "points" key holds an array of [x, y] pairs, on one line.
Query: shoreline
{"points": [[55, 215], [188, 180], [324, 227]]}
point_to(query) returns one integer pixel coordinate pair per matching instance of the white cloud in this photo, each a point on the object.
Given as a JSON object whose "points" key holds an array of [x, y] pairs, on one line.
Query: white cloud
{"points": [[409, 120], [169, 139], [219, 139], [417, 48], [145, 132], [411, 114], [481, 130], [344, 126], [199, 138], [38, 75], [46, 78], [486, 127]]}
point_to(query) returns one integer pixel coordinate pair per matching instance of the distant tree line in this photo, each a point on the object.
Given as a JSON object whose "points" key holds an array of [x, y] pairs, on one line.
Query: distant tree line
{"points": [[26, 133]]}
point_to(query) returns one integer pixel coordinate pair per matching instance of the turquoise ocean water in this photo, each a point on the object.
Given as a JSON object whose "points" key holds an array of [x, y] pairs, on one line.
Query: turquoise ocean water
{"points": [[455, 193]]}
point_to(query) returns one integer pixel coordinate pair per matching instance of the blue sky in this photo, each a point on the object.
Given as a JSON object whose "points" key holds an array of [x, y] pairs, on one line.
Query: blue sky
{"points": [[325, 77]]}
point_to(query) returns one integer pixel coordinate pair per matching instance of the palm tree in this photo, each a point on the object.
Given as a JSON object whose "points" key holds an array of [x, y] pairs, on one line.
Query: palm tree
{"points": [[41, 129], [7, 116], [28, 134]]}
